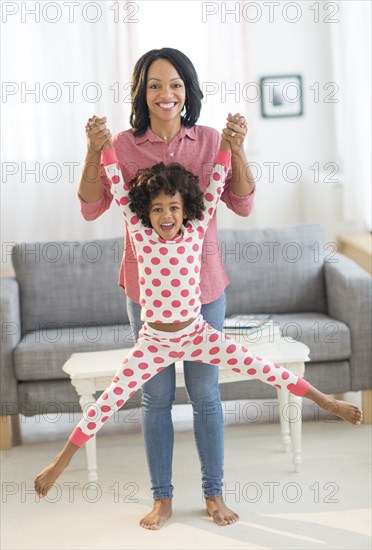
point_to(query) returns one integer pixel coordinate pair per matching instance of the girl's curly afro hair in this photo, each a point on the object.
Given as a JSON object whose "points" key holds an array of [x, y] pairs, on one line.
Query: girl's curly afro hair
{"points": [[149, 182]]}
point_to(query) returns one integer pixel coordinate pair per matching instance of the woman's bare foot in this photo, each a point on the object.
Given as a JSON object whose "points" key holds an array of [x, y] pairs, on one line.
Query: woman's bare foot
{"points": [[161, 511], [219, 512], [46, 478], [343, 409]]}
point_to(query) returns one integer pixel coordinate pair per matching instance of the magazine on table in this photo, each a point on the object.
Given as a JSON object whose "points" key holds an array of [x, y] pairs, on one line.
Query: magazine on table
{"points": [[253, 328], [249, 322]]}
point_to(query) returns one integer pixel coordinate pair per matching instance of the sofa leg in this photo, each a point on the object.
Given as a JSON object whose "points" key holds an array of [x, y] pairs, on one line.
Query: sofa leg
{"points": [[5, 437], [363, 399], [10, 434], [367, 406], [16, 430]]}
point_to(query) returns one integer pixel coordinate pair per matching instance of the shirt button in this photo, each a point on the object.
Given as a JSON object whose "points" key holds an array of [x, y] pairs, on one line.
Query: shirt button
{"points": [[171, 154]]}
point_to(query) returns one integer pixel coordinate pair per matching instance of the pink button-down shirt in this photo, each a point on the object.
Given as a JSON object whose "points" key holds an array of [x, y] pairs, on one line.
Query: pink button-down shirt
{"points": [[195, 148]]}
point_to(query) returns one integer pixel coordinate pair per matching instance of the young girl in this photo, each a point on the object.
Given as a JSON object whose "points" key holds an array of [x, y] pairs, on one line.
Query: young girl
{"points": [[168, 216]]}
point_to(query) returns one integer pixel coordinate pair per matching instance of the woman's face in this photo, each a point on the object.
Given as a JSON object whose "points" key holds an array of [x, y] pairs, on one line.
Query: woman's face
{"points": [[165, 93]]}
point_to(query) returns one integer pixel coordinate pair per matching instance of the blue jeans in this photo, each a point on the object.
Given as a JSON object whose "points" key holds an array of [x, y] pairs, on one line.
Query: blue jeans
{"points": [[201, 382]]}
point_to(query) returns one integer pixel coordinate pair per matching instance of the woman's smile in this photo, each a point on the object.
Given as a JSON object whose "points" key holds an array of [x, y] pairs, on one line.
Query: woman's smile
{"points": [[165, 93]]}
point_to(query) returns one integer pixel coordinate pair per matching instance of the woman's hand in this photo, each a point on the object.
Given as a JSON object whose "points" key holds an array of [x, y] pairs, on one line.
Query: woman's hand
{"points": [[98, 136], [235, 131]]}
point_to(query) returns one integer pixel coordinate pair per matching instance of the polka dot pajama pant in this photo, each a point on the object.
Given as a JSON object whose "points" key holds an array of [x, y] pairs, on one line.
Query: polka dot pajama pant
{"points": [[155, 350]]}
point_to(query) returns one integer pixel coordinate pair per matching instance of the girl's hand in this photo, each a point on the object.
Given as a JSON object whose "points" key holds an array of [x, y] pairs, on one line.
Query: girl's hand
{"points": [[98, 136], [235, 131]]}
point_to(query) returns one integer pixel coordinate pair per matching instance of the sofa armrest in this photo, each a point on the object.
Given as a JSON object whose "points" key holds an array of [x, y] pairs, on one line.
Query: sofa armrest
{"points": [[348, 289], [10, 336]]}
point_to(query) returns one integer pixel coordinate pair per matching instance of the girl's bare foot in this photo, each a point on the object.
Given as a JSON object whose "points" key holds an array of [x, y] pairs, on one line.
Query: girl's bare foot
{"points": [[343, 409], [46, 478], [161, 511], [219, 512]]}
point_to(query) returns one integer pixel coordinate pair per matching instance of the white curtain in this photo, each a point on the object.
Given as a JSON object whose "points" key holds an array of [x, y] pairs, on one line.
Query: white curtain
{"points": [[351, 51], [55, 77], [81, 68]]}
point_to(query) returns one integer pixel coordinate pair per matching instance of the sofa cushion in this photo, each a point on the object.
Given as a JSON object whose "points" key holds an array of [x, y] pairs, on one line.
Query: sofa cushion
{"points": [[69, 283], [41, 354], [275, 270], [48, 399], [327, 339], [332, 377]]}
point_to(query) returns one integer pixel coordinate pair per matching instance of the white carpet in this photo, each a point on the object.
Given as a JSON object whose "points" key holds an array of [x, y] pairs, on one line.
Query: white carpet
{"points": [[325, 506]]}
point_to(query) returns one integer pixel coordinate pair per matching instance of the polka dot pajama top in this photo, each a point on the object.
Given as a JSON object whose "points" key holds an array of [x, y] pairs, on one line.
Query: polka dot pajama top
{"points": [[169, 275]]}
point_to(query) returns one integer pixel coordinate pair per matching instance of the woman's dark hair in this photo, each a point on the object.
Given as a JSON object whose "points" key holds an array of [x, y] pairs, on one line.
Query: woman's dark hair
{"points": [[149, 182], [139, 117]]}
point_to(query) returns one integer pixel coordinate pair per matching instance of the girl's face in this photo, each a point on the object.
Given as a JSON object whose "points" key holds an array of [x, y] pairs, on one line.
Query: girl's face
{"points": [[167, 214], [165, 92]]}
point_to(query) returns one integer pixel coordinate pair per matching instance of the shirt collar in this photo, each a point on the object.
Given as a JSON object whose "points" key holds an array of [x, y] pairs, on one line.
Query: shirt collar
{"points": [[150, 136], [176, 239]]}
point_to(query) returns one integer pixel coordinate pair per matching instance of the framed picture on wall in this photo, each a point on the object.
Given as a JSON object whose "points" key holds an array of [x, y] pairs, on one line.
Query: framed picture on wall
{"points": [[281, 96]]}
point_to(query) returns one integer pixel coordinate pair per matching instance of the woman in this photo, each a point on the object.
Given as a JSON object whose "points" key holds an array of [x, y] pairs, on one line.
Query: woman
{"points": [[166, 104]]}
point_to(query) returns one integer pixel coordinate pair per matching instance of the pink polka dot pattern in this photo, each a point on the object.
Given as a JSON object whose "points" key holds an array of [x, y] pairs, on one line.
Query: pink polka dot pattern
{"points": [[165, 264], [169, 276], [155, 351]]}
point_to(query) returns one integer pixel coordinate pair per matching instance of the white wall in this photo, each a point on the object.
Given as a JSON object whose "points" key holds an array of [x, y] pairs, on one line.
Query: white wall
{"points": [[303, 48], [228, 52]]}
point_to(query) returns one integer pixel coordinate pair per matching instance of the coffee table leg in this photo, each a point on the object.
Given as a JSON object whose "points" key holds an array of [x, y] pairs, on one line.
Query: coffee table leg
{"points": [[91, 450], [86, 389], [283, 397], [294, 414], [295, 421], [90, 446]]}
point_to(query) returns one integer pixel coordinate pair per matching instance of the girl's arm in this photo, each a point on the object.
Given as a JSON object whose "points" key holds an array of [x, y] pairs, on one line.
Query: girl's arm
{"points": [[119, 188], [214, 189]]}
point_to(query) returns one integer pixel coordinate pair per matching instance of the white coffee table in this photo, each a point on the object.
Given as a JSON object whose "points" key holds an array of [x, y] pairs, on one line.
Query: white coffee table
{"points": [[93, 371]]}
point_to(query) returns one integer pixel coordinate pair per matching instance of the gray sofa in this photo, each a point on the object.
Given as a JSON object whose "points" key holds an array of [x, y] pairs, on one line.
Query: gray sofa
{"points": [[64, 298]]}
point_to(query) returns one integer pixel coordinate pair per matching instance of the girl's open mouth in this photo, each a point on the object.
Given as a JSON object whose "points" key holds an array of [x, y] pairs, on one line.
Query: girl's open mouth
{"points": [[166, 227]]}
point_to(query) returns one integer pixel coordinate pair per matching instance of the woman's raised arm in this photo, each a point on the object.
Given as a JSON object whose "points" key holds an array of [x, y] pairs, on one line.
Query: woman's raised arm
{"points": [[91, 187]]}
